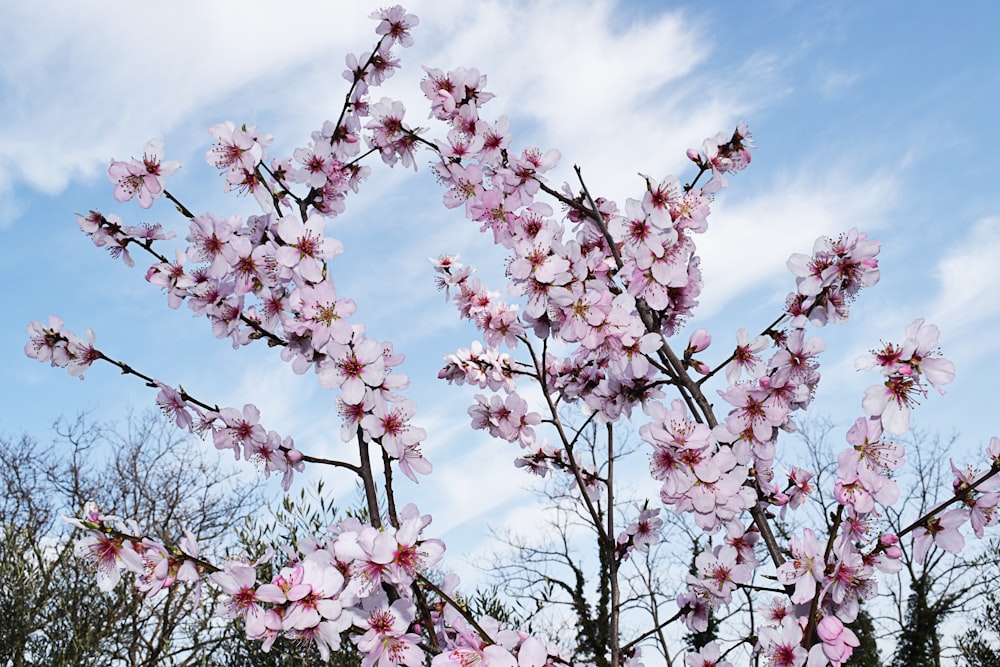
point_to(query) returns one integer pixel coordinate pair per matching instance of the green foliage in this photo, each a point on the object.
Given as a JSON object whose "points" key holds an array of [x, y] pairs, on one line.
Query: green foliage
{"points": [[867, 653], [980, 645]]}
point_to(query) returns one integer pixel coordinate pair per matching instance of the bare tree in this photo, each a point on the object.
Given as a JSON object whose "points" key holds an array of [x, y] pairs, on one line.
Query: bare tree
{"points": [[562, 580], [51, 613]]}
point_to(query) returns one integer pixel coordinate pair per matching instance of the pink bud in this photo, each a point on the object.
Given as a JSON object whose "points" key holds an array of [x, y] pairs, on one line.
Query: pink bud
{"points": [[888, 539], [829, 629], [700, 340], [993, 450]]}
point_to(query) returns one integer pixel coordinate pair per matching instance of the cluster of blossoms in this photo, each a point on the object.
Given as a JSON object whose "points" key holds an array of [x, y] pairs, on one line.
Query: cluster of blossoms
{"points": [[828, 280], [230, 428], [903, 367], [584, 278], [339, 583], [613, 288], [111, 545], [266, 276], [602, 291], [978, 493]]}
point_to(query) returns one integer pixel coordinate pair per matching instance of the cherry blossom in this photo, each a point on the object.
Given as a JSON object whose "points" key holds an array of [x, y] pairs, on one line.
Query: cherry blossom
{"points": [[306, 247], [941, 531], [142, 177], [781, 646], [806, 567], [709, 656], [719, 572]]}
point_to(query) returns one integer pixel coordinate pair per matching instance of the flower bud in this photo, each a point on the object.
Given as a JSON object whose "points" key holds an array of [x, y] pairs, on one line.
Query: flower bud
{"points": [[699, 341]]}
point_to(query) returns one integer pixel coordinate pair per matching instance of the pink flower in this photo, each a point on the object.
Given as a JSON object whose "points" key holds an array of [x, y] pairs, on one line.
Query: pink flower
{"points": [[142, 178], [390, 424], [828, 280], [508, 419], [981, 503], [891, 401], [466, 183], [698, 342], [805, 568], [745, 357], [48, 343], [850, 582], [888, 558], [870, 450], [993, 450], [709, 656], [756, 410], [642, 532], [386, 125], [236, 148], [696, 609], [386, 641], [240, 430], [942, 531], [719, 572], [82, 354], [306, 248], [360, 368], [209, 237], [172, 277], [903, 367], [774, 611], [411, 555], [919, 349], [800, 486], [173, 405], [396, 23], [322, 316], [163, 567], [238, 580], [314, 594], [108, 555], [781, 645]]}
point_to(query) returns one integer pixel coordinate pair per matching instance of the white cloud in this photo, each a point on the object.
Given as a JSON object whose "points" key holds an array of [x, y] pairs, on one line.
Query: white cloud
{"points": [[968, 275], [89, 81]]}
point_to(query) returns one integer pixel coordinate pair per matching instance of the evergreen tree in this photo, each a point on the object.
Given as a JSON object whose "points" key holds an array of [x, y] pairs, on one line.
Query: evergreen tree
{"points": [[980, 645], [867, 653], [920, 641]]}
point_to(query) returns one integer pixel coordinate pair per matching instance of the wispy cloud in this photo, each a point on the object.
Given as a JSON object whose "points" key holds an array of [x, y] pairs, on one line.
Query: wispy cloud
{"points": [[834, 83], [968, 276], [87, 83], [91, 80]]}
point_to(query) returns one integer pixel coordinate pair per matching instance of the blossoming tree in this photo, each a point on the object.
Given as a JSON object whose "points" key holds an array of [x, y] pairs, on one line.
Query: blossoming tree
{"points": [[598, 293]]}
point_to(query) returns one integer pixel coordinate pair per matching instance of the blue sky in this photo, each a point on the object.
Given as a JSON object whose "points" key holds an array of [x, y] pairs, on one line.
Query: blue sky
{"points": [[876, 115]]}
